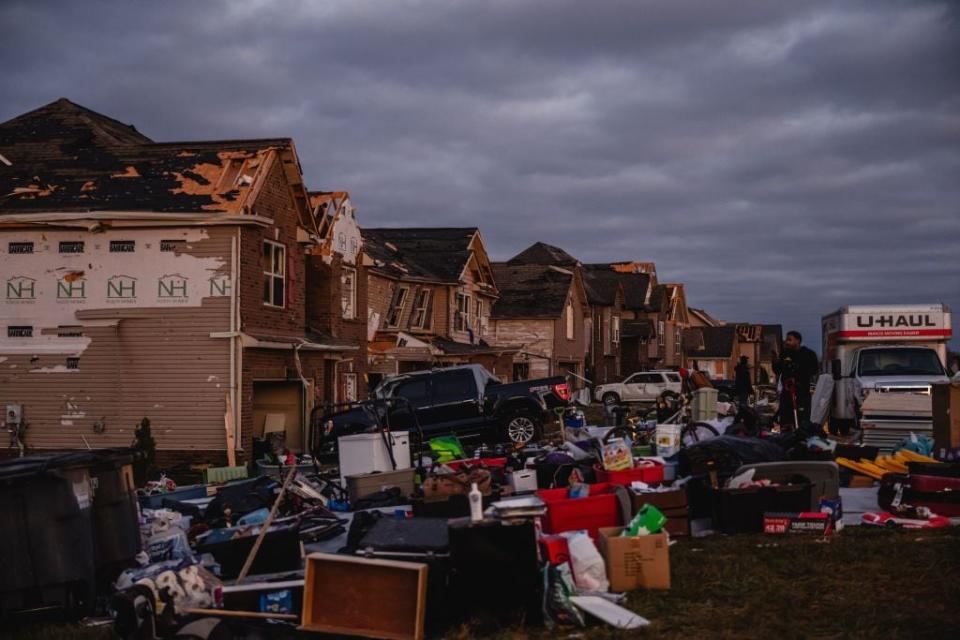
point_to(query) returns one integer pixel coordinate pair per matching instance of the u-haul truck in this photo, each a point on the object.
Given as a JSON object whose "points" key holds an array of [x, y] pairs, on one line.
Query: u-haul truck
{"points": [[885, 349]]}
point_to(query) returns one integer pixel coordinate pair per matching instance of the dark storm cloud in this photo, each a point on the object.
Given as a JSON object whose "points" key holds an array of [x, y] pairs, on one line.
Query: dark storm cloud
{"points": [[781, 159]]}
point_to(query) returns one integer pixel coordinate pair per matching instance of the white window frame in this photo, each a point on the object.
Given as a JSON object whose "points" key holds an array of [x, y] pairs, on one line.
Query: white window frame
{"points": [[461, 315], [348, 294], [421, 303], [676, 341], [397, 303], [272, 277], [569, 320], [661, 330], [616, 330], [478, 320]]}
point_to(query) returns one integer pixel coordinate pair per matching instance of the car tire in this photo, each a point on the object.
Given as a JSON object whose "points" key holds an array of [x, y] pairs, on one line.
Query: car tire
{"points": [[610, 399], [522, 427]]}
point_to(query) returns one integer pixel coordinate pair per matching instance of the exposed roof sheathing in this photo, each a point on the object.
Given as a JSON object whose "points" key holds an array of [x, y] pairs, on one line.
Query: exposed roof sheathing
{"points": [[436, 255], [65, 157], [530, 291]]}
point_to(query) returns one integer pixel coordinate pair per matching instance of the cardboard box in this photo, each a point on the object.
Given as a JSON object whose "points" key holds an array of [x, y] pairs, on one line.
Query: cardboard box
{"points": [[804, 522], [662, 500], [641, 562], [677, 527]]}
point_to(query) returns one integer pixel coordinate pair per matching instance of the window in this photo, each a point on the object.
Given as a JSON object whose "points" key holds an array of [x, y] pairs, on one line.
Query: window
{"points": [[461, 319], [420, 319], [71, 247], [73, 363], [395, 313], [676, 341], [479, 317], [616, 329], [454, 386], [19, 332], [661, 339], [569, 319], [122, 246], [349, 390], [20, 247], [274, 273], [413, 390], [171, 245], [348, 293]]}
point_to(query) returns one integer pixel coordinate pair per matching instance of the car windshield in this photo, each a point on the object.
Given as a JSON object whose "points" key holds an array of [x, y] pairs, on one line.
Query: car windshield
{"points": [[900, 362]]}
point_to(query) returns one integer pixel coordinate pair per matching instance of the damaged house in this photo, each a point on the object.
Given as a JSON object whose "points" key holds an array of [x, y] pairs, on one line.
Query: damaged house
{"points": [[430, 295], [543, 307], [167, 281]]}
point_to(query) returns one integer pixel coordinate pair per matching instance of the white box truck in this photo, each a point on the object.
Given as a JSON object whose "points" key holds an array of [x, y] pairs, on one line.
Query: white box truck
{"points": [[883, 349]]}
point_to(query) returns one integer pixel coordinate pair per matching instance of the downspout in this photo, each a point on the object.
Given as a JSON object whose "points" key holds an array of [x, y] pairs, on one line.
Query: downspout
{"points": [[236, 349]]}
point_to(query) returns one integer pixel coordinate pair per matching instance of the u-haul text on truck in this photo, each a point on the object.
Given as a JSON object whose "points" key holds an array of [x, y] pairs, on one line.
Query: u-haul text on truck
{"points": [[886, 348]]}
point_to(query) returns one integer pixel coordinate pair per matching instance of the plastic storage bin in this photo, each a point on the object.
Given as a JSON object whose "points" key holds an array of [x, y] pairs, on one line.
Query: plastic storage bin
{"points": [[599, 509], [649, 473], [741, 510]]}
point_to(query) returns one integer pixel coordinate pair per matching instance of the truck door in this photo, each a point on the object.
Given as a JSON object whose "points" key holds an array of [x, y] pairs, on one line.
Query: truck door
{"points": [[455, 402]]}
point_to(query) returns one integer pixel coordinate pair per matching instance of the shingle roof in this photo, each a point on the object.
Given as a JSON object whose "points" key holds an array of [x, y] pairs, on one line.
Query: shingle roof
{"points": [[601, 286], [717, 342], [435, 254], [603, 279], [65, 157], [642, 329], [530, 291], [543, 254]]}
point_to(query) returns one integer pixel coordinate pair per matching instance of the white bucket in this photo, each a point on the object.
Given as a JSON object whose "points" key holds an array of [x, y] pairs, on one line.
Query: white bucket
{"points": [[668, 439]]}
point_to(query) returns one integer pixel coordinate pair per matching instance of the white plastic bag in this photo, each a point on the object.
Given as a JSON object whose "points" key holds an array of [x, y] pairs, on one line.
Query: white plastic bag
{"points": [[589, 571]]}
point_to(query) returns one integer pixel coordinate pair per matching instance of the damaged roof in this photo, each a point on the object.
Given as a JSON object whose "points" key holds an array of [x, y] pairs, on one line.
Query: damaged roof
{"points": [[542, 253], [65, 157], [530, 290], [601, 277], [453, 348], [642, 329], [709, 342], [431, 254]]}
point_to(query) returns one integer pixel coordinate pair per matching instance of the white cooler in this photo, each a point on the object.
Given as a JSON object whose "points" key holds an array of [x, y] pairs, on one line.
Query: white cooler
{"points": [[367, 452]]}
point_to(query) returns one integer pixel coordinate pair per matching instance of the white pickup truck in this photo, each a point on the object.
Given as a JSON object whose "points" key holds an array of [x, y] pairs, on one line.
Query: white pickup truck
{"points": [[644, 386]]}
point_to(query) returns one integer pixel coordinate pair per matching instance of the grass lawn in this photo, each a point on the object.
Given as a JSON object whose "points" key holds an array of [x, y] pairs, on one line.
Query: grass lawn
{"points": [[864, 583]]}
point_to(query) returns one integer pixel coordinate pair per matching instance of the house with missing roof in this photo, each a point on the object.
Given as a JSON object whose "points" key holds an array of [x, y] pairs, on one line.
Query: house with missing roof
{"points": [[542, 310], [430, 297], [174, 281]]}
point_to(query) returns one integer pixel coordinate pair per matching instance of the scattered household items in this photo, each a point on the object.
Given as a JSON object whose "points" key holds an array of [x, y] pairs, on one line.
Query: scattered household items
{"points": [[370, 452], [635, 561], [946, 416]]}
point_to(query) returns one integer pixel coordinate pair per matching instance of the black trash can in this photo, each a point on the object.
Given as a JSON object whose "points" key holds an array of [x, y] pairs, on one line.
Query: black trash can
{"points": [[46, 535], [116, 512]]}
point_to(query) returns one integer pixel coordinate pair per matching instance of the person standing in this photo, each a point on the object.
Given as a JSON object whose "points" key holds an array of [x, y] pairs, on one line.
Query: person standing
{"points": [[796, 367], [742, 384]]}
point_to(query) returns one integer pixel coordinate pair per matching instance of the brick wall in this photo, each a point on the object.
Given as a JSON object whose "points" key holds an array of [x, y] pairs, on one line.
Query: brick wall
{"points": [[275, 202]]}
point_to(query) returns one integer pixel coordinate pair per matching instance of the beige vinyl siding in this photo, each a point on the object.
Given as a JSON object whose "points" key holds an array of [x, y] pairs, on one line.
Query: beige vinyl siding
{"points": [[157, 362]]}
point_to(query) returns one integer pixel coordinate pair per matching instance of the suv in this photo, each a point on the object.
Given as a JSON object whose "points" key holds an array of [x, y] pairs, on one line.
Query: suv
{"points": [[466, 401], [644, 386]]}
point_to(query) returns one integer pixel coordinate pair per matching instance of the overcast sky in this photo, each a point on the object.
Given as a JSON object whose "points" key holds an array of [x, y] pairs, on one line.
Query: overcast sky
{"points": [[779, 158]]}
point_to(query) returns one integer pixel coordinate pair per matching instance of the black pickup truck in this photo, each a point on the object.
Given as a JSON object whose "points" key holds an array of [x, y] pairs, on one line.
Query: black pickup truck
{"points": [[465, 401]]}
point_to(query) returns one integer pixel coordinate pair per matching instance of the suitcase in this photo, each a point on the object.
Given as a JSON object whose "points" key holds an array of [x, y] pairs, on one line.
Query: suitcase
{"points": [[895, 487]]}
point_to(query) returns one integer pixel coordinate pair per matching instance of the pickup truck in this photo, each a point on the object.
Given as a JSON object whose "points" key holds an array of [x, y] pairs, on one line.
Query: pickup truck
{"points": [[466, 401], [644, 386]]}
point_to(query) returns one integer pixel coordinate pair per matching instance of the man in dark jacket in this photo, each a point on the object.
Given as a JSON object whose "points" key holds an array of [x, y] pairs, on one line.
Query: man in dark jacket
{"points": [[742, 385], [796, 367]]}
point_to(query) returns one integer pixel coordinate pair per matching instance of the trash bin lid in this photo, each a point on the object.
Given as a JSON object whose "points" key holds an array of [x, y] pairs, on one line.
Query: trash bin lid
{"points": [[40, 463]]}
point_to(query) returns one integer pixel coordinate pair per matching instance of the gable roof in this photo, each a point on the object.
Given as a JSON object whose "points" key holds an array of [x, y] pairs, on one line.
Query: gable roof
{"points": [[65, 157], [709, 342], [704, 317], [432, 254], [544, 254], [601, 277], [642, 329], [602, 286], [530, 290]]}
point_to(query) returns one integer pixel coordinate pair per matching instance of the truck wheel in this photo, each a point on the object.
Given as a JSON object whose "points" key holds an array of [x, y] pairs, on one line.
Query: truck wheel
{"points": [[611, 399], [522, 427]]}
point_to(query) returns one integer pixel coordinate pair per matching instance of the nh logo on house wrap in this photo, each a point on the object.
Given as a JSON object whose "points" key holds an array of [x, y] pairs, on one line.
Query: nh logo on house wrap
{"points": [[71, 287], [121, 287], [21, 288], [219, 286], [172, 285]]}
